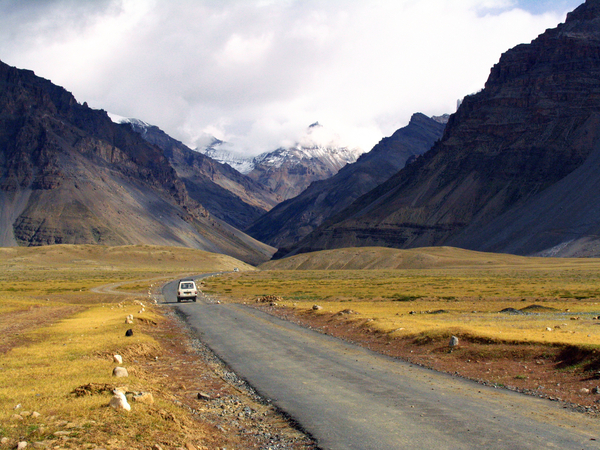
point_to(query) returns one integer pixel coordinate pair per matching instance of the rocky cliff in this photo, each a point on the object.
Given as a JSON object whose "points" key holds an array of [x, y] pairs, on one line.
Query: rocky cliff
{"points": [[513, 144], [223, 191], [290, 221], [68, 174]]}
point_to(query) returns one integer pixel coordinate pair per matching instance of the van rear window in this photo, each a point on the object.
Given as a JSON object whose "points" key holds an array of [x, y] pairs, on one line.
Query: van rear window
{"points": [[187, 285]]}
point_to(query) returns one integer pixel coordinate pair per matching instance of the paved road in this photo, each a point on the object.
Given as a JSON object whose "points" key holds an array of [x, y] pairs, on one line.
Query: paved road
{"points": [[347, 397]]}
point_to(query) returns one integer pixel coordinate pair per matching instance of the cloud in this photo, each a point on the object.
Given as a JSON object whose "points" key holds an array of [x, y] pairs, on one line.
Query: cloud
{"points": [[257, 73]]}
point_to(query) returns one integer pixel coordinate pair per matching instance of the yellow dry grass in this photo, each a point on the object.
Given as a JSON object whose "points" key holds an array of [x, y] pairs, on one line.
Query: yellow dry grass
{"points": [[56, 335], [438, 291]]}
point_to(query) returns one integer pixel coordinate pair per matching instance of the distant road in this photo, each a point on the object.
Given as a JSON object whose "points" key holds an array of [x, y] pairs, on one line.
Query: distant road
{"points": [[347, 397]]}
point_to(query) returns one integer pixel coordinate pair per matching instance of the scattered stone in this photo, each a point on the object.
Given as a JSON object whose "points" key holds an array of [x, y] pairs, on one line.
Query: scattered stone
{"points": [[21, 445], [118, 359], [35, 415], [575, 318], [144, 397], [203, 396], [317, 307], [548, 329], [16, 417], [129, 332], [119, 401], [346, 311], [129, 319], [584, 390], [596, 390], [120, 372], [269, 299], [4, 441], [453, 342]]}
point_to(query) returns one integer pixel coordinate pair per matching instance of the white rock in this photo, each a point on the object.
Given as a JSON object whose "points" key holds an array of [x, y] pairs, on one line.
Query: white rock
{"points": [[317, 307], [120, 372], [119, 401], [453, 342], [118, 359], [21, 445]]}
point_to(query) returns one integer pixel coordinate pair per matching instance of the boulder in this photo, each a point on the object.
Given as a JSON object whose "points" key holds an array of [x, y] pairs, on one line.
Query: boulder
{"points": [[453, 342], [144, 397], [120, 372], [118, 359], [129, 332], [119, 401]]}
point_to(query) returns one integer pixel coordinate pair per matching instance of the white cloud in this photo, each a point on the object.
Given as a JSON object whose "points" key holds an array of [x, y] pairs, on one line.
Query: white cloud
{"points": [[257, 73]]}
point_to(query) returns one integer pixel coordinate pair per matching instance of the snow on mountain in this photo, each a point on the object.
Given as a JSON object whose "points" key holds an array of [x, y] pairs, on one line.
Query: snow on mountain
{"points": [[216, 151], [309, 148], [120, 119]]}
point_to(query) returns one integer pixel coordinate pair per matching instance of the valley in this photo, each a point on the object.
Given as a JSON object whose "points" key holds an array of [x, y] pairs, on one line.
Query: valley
{"points": [[531, 324]]}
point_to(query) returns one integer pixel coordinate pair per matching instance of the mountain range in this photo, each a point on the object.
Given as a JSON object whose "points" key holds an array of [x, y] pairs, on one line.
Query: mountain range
{"points": [[223, 191], [517, 168], [289, 171], [514, 170], [290, 221], [68, 174]]}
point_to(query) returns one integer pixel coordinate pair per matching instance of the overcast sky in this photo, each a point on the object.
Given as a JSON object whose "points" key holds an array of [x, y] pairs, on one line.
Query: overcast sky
{"points": [[257, 73]]}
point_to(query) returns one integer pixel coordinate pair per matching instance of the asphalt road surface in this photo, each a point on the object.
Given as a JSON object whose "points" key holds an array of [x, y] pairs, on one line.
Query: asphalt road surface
{"points": [[348, 397]]}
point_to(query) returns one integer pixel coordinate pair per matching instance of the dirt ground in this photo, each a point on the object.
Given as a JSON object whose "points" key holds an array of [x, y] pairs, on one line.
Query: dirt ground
{"points": [[559, 373]]}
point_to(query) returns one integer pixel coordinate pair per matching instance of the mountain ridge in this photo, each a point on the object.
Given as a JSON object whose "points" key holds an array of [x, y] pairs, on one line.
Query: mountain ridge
{"points": [[290, 221], [534, 123], [68, 174]]}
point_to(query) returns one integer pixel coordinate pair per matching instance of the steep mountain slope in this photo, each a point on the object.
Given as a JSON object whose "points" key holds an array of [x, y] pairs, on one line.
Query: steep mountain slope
{"points": [[536, 122], [290, 221], [223, 191], [288, 171], [68, 174]]}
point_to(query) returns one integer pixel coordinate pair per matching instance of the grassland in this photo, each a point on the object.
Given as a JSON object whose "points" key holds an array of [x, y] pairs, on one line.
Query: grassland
{"points": [[414, 300], [56, 336]]}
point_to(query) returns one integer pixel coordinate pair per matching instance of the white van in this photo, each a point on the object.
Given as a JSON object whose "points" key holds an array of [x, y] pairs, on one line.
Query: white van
{"points": [[187, 290]]}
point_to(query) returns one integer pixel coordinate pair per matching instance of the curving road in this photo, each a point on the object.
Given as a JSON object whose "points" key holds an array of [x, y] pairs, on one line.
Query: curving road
{"points": [[347, 397]]}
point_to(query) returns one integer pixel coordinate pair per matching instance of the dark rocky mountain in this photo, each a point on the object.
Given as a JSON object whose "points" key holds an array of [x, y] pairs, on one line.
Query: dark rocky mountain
{"points": [[222, 190], [517, 168], [68, 174], [290, 221]]}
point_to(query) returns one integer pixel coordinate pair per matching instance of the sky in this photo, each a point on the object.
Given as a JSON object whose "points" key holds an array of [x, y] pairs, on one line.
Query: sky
{"points": [[257, 73]]}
